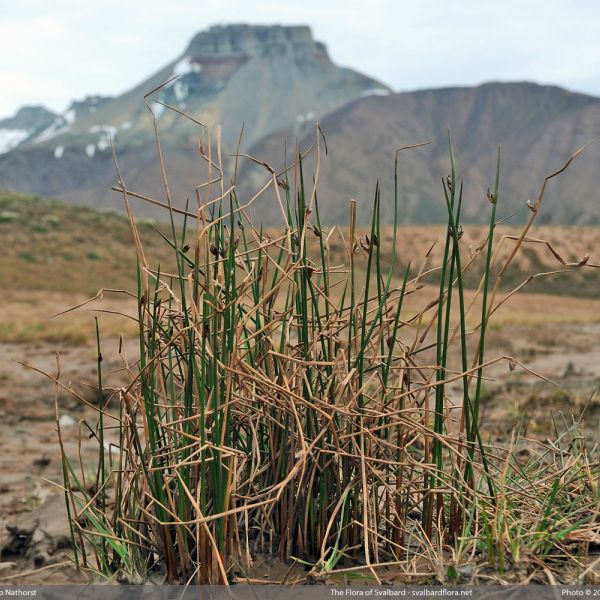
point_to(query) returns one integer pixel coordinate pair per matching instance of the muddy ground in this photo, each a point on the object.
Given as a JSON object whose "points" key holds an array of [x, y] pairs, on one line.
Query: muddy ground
{"points": [[30, 463], [33, 528]]}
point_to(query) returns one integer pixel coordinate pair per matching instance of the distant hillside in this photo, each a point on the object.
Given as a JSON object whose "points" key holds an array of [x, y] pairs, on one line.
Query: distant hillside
{"points": [[47, 245], [538, 127], [52, 246]]}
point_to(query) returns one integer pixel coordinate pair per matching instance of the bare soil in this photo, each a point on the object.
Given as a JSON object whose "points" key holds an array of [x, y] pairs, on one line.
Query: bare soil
{"points": [[30, 463], [565, 353]]}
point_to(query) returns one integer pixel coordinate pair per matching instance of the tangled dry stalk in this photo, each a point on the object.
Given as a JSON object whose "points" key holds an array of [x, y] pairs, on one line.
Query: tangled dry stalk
{"points": [[286, 405]]}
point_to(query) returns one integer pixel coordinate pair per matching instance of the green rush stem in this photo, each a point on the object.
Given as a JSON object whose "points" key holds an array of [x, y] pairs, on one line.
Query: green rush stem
{"points": [[101, 475]]}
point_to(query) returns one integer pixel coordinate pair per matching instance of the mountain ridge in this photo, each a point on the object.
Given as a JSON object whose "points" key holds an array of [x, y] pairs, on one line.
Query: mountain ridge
{"points": [[536, 126], [277, 82], [213, 59]]}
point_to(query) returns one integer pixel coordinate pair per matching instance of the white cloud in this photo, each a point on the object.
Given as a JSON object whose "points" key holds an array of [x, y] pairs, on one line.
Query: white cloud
{"points": [[53, 52]]}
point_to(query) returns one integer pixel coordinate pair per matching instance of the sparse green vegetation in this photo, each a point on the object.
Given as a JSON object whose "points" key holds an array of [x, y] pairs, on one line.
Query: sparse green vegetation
{"points": [[42, 243], [8, 216], [286, 405]]}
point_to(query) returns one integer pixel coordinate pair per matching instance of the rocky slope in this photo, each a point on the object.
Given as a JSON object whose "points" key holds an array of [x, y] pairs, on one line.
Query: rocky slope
{"points": [[537, 127]]}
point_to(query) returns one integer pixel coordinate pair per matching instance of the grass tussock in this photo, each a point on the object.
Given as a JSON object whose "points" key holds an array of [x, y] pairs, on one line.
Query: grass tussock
{"points": [[289, 405]]}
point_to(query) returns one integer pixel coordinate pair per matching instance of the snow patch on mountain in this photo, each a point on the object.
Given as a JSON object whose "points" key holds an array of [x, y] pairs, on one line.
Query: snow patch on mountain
{"points": [[59, 151], [108, 129], [9, 138], [375, 92], [70, 116], [103, 143], [158, 109], [309, 116], [186, 65], [57, 128], [108, 132], [181, 90]]}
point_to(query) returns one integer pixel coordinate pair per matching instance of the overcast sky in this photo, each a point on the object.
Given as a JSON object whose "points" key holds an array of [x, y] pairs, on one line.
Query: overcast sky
{"points": [[52, 51]]}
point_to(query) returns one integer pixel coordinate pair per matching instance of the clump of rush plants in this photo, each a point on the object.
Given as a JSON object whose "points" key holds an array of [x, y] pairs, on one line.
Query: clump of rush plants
{"points": [[291, 409]]}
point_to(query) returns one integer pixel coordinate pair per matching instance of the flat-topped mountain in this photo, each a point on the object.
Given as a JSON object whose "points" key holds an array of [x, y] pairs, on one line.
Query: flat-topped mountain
{"points": [[263, 78], [248, 40]]}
